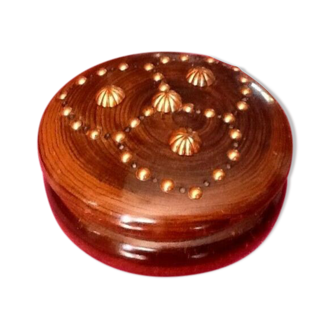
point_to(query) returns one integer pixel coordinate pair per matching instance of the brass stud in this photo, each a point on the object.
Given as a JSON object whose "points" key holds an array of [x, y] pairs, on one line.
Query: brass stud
{"points": [[158, 77], [94, 134], [148, 66], [66, 111], [195, 193], [76, 125], [143, 174], [163, 87], [185, 142], [200, 76], [167, 185], [228, 118], [123, 66], [126, 157], [245, 91], [210, 60], [218, 174], [110, 96], [209, 113], [148, 111], [184, 57], [167, 101], [134, 122], [101, 71], [81, 80], [63, 95], [235, 134], [233, 155], [242, 106], [244, 79], [164, 59], [188, 108], [119, 136]]}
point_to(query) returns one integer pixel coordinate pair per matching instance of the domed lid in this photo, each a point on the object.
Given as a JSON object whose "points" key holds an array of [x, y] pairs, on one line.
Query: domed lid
{"points": [[154, 142]]}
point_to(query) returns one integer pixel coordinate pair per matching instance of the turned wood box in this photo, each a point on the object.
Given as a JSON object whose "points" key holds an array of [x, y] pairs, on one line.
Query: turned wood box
{"points": [[165, 163]]}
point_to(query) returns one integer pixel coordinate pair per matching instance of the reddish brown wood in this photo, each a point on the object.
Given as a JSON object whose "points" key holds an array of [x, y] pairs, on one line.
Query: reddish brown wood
{"points": [[154, 227]]}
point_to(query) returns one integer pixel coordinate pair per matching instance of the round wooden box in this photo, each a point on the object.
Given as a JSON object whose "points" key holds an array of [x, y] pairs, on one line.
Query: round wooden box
{"points": [[165, 164]]}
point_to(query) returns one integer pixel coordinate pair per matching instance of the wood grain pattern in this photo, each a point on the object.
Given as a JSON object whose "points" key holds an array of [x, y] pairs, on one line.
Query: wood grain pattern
{"points": [[106, 168]]}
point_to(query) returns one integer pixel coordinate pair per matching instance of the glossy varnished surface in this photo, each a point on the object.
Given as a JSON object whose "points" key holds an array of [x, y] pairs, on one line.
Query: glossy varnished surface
{"points": [[166, 153]]}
